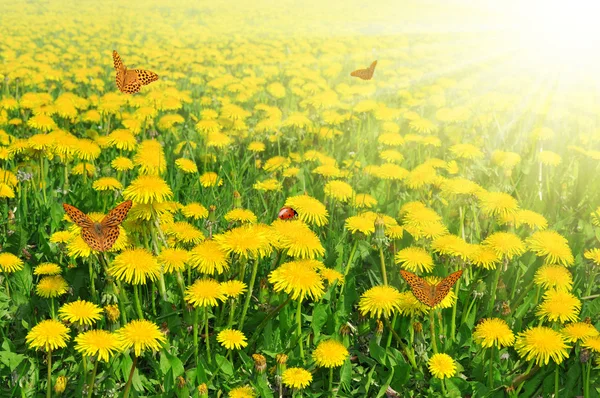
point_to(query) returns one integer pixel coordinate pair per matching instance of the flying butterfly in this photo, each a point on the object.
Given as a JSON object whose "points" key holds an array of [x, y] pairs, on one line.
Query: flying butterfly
{"points": [[100, 236], [425, 292], [131, 80], [365, 74]]}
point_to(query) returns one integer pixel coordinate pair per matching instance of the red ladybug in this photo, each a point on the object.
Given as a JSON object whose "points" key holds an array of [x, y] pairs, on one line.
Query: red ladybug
{"points": [[287, 213]]}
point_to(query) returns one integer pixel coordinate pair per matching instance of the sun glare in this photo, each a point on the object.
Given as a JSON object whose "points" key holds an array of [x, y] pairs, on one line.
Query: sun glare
{"points": [[566, 33]]}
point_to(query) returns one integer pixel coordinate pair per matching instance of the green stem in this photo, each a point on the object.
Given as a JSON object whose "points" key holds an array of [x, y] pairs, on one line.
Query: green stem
{"points": [[249, 295], [206, 335], [331, 381], [231, 313], [299, 322], [348, 266], [195, 332], [556, 371], [136, 298], [52, 308], [128, 385], [516, 282], [432, 330], [92, 280], [383, 270], [453, 322], [493, 289], [491, 370], [91, 386], [49, 387], [523, 382], [586, 382], [122, 301]]}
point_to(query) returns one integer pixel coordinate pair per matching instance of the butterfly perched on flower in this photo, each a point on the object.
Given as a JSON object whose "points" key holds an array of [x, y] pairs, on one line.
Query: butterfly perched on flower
{"points": [[365, 74], [131, 80], [425, 292], [100, 236]]}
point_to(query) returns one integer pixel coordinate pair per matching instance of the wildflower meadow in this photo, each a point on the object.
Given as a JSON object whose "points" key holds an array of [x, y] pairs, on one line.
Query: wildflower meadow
{"points": [[299, 199]]}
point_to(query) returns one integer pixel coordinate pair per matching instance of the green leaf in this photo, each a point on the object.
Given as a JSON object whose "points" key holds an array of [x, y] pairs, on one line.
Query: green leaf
{"points": [[319, 318], [11, 359], [224, 365], [376, 352]]}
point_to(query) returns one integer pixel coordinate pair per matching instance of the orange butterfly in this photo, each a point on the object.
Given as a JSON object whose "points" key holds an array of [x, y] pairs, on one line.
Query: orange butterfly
{"points": [[425, 292], [131, 80], [365, 74], [100, 236]]}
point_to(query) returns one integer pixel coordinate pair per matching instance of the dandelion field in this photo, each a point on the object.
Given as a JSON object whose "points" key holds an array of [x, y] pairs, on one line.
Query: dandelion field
{"points": [[467, 150]]}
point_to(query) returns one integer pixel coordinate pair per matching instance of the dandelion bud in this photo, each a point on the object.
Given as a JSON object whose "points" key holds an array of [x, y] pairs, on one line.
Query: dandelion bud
{"points": [[237, 200], [417, 327], [203, 390], [60, 385], [505, 309], [379, 327], [379, 230], [112, 312], [584, 356], [281, 359], [212, 216], [260, 363], [345, 330]]}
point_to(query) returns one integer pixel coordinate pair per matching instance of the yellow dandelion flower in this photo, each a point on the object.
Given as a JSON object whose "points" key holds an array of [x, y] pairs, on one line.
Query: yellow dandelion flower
{"points": [[186, 165], [296, 239], [559, 306], [493, 332], [173, 259], [81, 312], [232, 339], [542, 344], [10, 263], [553, 276], [379, 300], [505, 244], [240, 215], [97, 343], [233, 288], [497, 203], [310, 210], [107, 184], [579, 331], [442, 366], [553, 246], [414, 259], [594, 255], [210, 179], [249, 241], [194, 210], [184, 232], [48, 335], [297, 378], [141, 335], [208, 258], [205, 293], [148, 189], [299, 279], [135, 266], [330, 354], [51, 286]]}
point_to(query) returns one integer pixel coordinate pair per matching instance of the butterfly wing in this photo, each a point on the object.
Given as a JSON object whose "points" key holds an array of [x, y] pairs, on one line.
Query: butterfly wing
{"points": [[419, 286], [365, 74], [91, 237], [132, 87], [116, 216], [117, 61], [77, 216], [121, 70], [110, 236], [145, 76], [443, 288]]}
